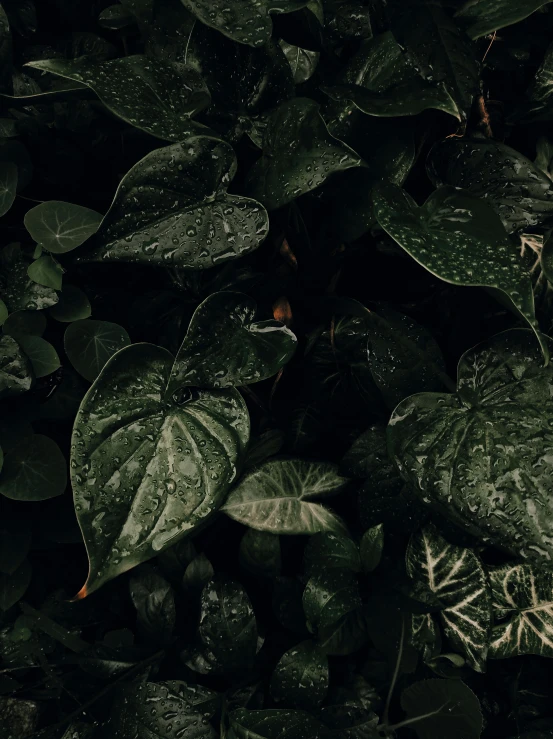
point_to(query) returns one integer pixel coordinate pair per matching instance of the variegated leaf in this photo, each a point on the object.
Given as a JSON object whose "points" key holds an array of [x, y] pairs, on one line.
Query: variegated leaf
{"points": [[456, 577], [522, 600]]}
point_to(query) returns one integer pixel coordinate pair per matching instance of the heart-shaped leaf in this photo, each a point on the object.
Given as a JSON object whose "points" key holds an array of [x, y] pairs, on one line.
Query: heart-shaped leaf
{"points": [[73, 305], [156, 96], [278, 496], [89, 344], [301, 676], [16, 372], [61, 227], [147, 466], [198, 226], [456, 577], [299, 154], [34, 469], [224, 347], [46, 271], [460, 240], [522, 599], [8, 186], [442, 708], [481, 456], [486, 16], [42, 355]]}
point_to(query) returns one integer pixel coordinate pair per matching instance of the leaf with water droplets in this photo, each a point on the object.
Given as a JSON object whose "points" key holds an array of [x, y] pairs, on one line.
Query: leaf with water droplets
{"points": [[173, 208], [61, 227], [225, 347], [442, 708], [519, 192], [18, 290], [299, 154], [461, 240], [328, 551], [482, 456], [522, 599], [148, 466], [246, 21], [278, 497], [303, 62], [89, 344], [8, 186], [16, 372], [301, 677], [276, 723], [329, 596], [34, 469], [156, 96], [456, 577], [486, 16]]}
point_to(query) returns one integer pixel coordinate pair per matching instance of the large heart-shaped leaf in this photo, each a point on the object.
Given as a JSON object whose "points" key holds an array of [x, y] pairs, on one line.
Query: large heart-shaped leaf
{"points": [[245, 21], [482, 17], [299, 154], [154, 95], [519, 192], [189, 220], [279, 497], [481, 456], [16, 372], [60, 227], [460, 240], [522, 599], [224, 346], [147, 465], [456, 577]]}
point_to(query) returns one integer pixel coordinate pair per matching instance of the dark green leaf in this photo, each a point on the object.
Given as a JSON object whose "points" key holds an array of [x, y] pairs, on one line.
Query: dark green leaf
{"points": [[16, 372], [73, 305], [46, 271], [61, 227], [198, 573], [302, 61], [115, 17], [260, 553], [329, 596], [18, 291], [34, 469], [486, 16], [278, 497], [14, 585], [42, 355], [8, 185], [154, 600], [300, 678], [3, 312], [371, 547], [89, 344], [25, 322], [275, 723], [328, 551]]}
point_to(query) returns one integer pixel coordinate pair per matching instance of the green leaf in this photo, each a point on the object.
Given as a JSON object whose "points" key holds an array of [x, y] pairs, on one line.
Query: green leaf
{"points": [[89, 344], [61, 227], [147, 466], [480, 456], [328, 551], [73, 305], [18, 291], [516, 189], [34, 469], [486, 16], [245, 21], [199, 226], [3, 312], [115, 17], [154, 600], [260, 553], [46, 271], [277, 497], [456, 577], [156, 96], [299, 154], [14, 585], [522, 599], [25, 322], [302, 61], [275, 723], [442, 708], [8, 186], [371, 546], [459, 239], [42, 355], [171, 710], [328, 596], [198, 573], [301, 677], [16, 372], [224, 347], [381, 80]]}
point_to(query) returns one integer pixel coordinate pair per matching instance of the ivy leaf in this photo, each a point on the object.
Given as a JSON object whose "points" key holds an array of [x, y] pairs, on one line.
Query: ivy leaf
{"points": [[244, 21], [522, 599], [302, 61], [278, 497], [199, 226], [34, 469], [154, 600], [519, 192], [16, 372], [459, 239], [486, 16], [301, 677], [456, 577], [299, 154], [275, 723], [157, 96], [224, 346], [19, 292], [148, 466], [8, 186], [480, 456], [442, 708], [327, 551], [328, 597], [260, 553], [89, 344], [42, 355], [46, 271], [61, 227]]}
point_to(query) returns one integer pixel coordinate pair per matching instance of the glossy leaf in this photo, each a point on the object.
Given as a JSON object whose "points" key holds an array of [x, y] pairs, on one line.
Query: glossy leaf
{"points": [[456, 577], [154, 95], [224, 347], [522, 598], [34, 469], [42, 355], [329, 596], [61, 227], [515, 188], [16, 372], [328, 551], [300, 678], [279, 497], [147, 466], [73, 305], [18, 291], [467, 454], [299, 154], [275, 723], [89, 344], [8, 186], [302, 61], [486, 16], [199, 226], [46, 271], [460, 240], [260, 553]]}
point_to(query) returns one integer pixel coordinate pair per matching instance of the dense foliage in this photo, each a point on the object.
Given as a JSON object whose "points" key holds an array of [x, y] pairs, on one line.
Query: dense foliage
{"points": [[275, 305]]}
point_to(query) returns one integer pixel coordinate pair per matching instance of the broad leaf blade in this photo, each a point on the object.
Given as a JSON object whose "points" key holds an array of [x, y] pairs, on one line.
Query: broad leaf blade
{"points": [[486, 16], [300, 678], [89, 344], [33, 469], [442, 708], [61, 227]]}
